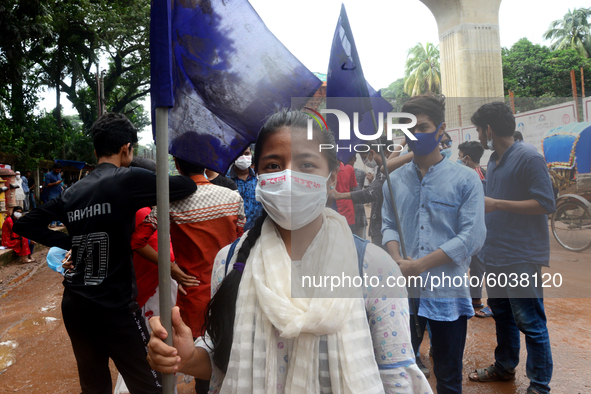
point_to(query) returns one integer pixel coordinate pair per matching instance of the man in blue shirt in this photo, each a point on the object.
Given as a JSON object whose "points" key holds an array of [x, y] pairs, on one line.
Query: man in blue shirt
{"points": [[441, 208], [246, 181], [52, 186], [518, 200]]}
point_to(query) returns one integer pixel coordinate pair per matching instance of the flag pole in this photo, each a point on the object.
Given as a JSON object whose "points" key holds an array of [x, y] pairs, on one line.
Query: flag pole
{"points": [[164, 234], [365, 93]]}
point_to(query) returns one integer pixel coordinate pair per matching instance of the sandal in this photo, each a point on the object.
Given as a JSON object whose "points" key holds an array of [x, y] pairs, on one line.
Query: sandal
{"points": [[485, 312], [477, 303], [490, 374]]}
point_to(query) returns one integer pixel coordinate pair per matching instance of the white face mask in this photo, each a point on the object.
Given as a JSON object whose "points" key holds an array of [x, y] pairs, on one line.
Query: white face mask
{"points": [[17, 215], [292, 199], [18, 177], [489, 144], [370, 164], [243, 162]]}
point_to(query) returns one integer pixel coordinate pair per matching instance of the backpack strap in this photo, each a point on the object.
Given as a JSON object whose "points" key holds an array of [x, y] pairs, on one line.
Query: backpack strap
{"points": [[230, 255], [360, 245]]}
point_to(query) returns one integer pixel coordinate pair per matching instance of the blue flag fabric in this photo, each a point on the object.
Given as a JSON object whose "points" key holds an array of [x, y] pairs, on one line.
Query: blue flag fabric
{"points": [[160, 56], [229, 73], [347, 90]]}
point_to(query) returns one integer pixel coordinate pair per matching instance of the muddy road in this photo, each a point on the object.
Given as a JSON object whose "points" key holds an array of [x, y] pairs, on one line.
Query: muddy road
{"points": [[36, 354]]}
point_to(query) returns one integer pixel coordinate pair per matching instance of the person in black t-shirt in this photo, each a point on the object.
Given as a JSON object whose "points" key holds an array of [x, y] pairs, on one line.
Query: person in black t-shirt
{"points": [[220, 180], [100, 313]]}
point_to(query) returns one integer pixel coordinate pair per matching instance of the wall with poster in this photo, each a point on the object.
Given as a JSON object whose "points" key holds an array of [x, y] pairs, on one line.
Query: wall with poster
{"points": [[587, 108], [535, 124]]}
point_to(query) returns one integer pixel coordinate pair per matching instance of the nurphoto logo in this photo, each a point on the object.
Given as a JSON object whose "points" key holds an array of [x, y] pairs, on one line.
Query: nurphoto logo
{"points": [[345, 129]]}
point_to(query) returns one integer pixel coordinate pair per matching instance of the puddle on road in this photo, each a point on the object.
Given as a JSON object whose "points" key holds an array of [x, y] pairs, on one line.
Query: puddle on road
{"points": [[49, 306], [40, 321], [6, 356]]}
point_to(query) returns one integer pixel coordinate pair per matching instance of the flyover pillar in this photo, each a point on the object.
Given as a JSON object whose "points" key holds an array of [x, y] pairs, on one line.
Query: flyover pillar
{"points": [[470, 55]]}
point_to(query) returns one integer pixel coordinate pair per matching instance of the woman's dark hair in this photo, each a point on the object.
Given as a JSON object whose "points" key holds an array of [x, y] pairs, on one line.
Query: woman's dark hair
{"points": [[473, 149], [431, 106], [221, 310], [110, 132], [498, 116]]}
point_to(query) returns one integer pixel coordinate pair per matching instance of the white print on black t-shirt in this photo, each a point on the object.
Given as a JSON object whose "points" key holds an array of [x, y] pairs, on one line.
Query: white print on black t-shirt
{"points": [[88, 212], [92, 255]]}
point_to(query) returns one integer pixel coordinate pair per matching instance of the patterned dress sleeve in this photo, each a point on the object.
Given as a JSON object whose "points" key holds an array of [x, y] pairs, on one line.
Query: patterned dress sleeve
{"points": [[389, 321]]}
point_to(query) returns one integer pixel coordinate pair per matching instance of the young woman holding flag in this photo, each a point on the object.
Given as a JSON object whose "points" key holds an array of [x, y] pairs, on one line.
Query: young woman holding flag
{"points": [[265, 332]]}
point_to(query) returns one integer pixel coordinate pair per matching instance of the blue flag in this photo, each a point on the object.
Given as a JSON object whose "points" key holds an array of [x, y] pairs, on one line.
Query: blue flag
{"points": [[347, 90], [229, 73]]}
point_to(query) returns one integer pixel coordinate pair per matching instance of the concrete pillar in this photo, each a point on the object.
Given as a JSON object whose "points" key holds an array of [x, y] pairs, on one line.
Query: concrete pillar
{"points": [[470, 55]]}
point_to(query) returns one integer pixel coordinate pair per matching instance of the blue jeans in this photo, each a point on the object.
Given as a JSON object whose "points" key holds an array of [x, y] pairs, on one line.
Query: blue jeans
{"points": [[448, 339], [32, 203], [514, 313]]}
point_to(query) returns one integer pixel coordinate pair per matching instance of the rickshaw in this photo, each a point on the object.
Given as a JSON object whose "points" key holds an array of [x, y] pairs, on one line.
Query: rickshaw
{"points": [[567, 151]]}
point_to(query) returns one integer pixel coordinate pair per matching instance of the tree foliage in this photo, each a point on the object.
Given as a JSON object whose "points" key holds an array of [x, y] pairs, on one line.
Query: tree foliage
{"points": [[422, 73], [539, 76], [533, 70], [60, 44], [395, 95], [572, 31]]}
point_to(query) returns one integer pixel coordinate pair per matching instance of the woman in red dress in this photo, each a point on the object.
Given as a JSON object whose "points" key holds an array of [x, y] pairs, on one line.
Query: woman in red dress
{"points": [[12, 240]]}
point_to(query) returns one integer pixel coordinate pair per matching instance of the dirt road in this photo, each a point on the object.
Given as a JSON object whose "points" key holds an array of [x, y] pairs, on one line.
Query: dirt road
{"points": [[36, 355]]}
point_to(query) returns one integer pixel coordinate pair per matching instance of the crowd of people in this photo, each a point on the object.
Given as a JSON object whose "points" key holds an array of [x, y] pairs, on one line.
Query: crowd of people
{"points": [[241, 242]]}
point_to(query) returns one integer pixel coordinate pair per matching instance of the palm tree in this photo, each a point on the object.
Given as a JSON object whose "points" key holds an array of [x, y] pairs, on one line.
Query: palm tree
{"points": [[422, 73], [572, 31]]}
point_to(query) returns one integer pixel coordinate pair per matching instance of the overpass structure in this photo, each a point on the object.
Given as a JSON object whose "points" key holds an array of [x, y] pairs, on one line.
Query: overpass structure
{"points": [[470, 55]]}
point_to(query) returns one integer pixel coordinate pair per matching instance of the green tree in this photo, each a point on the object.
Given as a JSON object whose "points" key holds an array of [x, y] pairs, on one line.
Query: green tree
{"points": [[422, 73], [533, 70], [572, 31], [86, 31], [524, 69], [540, 77], [395, 95], [23, 25]]}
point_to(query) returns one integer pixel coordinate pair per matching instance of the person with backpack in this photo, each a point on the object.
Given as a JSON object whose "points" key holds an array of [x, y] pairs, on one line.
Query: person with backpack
{"points": [[260, 334]]}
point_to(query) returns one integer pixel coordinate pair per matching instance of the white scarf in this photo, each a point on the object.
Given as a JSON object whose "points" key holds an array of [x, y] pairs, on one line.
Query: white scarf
{"points": [[264, 303]]}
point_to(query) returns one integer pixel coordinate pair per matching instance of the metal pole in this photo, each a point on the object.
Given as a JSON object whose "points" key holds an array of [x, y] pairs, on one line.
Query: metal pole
{"points": [[365, 93], [164, 234], [582, 83], [98, 93], [574, 83]]}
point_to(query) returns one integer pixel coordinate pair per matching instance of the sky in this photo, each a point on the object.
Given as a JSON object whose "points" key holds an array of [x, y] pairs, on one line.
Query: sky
{"points": [[383, 29]]}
